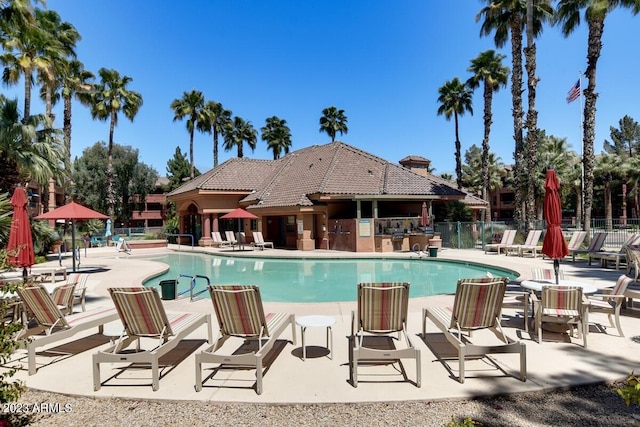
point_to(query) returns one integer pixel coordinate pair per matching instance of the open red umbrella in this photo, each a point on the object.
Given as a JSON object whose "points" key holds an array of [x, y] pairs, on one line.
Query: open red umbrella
{"points": [[554, 245], [239, 214], [20, 246], [72, 211]]}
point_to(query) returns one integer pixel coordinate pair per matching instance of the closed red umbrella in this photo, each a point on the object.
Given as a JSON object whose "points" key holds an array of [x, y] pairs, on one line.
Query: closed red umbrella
{"points": [[554, 245], [424, 217], [20, 246]]}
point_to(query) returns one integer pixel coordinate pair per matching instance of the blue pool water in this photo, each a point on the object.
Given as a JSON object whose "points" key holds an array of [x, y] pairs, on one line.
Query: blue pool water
{"points": [[319, 280]]}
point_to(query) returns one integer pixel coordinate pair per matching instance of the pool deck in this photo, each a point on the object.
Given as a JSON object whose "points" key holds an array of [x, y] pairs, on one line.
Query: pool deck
{"points": [[557, 362]]}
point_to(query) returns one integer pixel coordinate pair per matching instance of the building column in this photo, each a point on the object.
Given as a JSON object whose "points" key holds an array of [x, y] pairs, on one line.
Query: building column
{"points": [[305, 242]]}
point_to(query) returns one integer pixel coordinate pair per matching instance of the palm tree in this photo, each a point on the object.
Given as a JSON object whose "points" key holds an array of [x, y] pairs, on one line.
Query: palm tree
{"points": [[455, 99], [487, 69], [277, 135], [214, 119], [74, 81], [506, 17], [607, 168], [595, 12], [239, 132], [333, 121], [110, 97], [29, 151], [472, 176], [190, 106]]}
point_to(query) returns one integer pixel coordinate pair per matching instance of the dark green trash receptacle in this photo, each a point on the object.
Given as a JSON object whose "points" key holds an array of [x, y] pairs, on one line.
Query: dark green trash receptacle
{"points": [[433, 251], [168, 289]]}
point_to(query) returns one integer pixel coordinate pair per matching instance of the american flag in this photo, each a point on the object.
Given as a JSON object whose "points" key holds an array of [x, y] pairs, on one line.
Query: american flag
{"points": [[574, 92]]}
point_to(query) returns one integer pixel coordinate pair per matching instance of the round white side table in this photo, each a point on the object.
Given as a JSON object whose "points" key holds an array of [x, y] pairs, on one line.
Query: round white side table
{"points": [[316, 321]]}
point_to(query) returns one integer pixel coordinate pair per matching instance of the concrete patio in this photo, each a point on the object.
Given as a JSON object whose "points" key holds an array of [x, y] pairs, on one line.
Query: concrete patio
{"points": [[555, 363]]}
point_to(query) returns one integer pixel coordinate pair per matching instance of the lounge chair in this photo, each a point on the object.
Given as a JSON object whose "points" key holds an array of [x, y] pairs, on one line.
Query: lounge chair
{"points": [[477, 305], [530, 244], [616, 257], [596, 245], [217, 240], [258, 240], [610, 302], [79, 294], [240, 314], [231, 238], [507, 239], [123, 246], [50, 320], [63, 297], [143, 316], [382, 311], [561, 304], [575, 242]]}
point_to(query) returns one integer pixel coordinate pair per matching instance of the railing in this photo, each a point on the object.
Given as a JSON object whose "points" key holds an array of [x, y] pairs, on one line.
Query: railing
{"points": [[192, 286], [467, 235]]}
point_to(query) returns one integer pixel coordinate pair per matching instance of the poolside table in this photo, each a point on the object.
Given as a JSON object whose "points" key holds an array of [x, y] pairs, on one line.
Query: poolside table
{"points": [[316, 321]]}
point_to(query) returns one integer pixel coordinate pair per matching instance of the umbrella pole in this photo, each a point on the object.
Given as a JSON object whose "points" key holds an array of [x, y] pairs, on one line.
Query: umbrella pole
{"points": [[73, 245], [25, 274], [556, 269]]}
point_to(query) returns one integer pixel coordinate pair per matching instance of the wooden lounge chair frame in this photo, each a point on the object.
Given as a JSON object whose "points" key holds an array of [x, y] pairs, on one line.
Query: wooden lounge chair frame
{"points": [[143, 316], [50, 321], [240, 314], [477, 305], [382, 311]]}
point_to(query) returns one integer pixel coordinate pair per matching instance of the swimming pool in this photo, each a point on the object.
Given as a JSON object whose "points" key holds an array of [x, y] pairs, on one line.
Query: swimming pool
{"points": [[319, 280]]}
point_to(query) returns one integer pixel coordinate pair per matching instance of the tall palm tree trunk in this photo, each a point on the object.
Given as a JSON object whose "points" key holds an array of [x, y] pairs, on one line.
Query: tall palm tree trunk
{"points": [[596, 27], [517, 113], [458, 154], [193, 174], [488, 96], [532, 121], [111, 193], [27, 96], [215, 148]]}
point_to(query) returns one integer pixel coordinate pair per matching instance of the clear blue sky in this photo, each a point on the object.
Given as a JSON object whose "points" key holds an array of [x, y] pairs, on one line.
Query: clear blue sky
{"points": [[380, 61]]}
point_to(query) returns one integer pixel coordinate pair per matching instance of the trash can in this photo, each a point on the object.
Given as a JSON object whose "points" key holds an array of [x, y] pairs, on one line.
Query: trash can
{"points": [[168, 289], [433, 251]]}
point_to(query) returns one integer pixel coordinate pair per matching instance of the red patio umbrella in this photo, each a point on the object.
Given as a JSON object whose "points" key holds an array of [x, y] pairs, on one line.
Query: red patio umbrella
{"points": [[424, 218], [20, 244], [239, 214], [72, 211], [554, 245]]}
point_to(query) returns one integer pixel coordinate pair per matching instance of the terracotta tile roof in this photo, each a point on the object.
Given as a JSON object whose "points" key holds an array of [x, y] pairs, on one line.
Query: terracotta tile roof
{"points": [[335, 169]]}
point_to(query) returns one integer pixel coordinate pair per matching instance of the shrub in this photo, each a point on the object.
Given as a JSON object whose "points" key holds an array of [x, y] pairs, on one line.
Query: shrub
{"points": [[630, 392]]}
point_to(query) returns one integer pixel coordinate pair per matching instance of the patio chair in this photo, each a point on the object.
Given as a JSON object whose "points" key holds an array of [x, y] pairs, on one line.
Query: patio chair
{"points": [[63, 297], [240, 314], [561, 304], [143, 316], [217, 240], [79, 294], [258, 240], [382, 311], [616, 257], [596, 245], [530, 244], [610, 302], [507, 239], [546, 274], [231, 238], [477, 306], [48, 319]]}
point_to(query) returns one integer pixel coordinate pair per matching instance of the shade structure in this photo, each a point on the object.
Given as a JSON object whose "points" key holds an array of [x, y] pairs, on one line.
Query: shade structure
{"points": [[72, 212], [554, 245], [20, 244], [424, 216], [239, 214]]}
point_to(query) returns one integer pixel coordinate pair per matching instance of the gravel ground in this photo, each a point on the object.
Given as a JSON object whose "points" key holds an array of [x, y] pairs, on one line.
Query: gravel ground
{"points": [[595, 405]]}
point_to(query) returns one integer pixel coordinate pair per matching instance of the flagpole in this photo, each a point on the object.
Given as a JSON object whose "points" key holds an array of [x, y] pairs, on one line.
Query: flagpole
{"points": [[581, 153]]}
